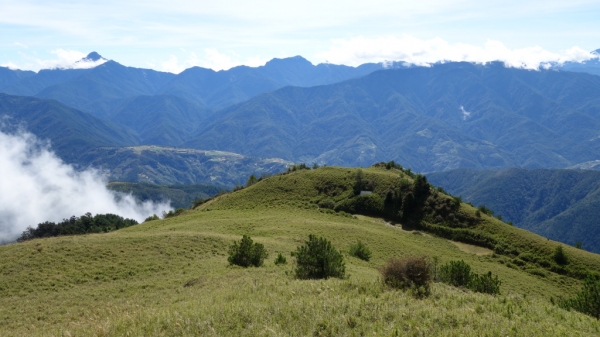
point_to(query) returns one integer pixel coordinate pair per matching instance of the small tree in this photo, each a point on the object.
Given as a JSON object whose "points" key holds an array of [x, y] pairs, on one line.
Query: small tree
{"points": [[456, 273], [360, 250], [280, 259], [251, 180], [318, 259], [246, 253], [587, 300], [560, 256]]}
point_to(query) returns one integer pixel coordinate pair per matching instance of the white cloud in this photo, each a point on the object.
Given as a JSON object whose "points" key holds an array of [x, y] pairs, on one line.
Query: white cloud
{"points": [[212, 59], [18, 44], [65, 59], [36, 186], [416, 51]]}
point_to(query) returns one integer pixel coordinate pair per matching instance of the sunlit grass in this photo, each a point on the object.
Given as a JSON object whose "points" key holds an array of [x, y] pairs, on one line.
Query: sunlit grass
{"points": [[133, 280]]}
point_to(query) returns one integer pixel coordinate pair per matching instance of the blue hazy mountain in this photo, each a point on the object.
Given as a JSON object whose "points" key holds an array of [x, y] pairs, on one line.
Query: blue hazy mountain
{"points": [[563, 205], [10, 76], [160, 119], [428, 118], [219, 89], [102, 89], [71, 132]]}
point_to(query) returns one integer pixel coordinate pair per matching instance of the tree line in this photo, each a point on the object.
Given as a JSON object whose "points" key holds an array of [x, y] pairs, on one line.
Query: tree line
{"points": [[100, 223]]}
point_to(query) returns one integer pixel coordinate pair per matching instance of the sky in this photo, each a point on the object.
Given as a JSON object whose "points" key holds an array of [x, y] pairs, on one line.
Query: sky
{"points": [[177, 34]]}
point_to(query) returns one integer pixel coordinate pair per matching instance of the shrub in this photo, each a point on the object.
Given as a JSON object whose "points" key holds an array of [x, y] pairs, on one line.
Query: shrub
{"points": [[280, 259], [172, 213], [485, 283], [560, 256], [360, 250], [318, 259], [326, 203], [251, 180], [412, 272], [246, 253], [456, 273], [152, 218], [586, 301]]}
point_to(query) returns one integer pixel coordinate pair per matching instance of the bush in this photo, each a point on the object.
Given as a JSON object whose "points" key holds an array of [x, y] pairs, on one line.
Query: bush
{"points": [[318, 259], [280, 259], [247, 253], [587, 301], [152, 218], [560, 256], [485, 283], [172, 213], [412, 272], [360, 250], [326, 203], [456, 273]]}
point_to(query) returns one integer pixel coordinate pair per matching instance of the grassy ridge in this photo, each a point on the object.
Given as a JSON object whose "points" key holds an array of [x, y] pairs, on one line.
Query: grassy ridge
{"points": [[134, 280]]}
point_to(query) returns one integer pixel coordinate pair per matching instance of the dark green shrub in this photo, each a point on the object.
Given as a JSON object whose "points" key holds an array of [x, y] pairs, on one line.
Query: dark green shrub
{"points": [[318, 259], [152, 218], [560, 256], [172, 213], [587, 300], [280, 259], [485, 283], [413, 272], [326, 203], [251, 180], [246, 253], [360, 250], [456, 273]]}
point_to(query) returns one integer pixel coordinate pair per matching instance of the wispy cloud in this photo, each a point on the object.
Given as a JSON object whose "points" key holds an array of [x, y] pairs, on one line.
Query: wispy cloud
{"points": [[18, 44], [65, 59], [36, 186], [421, 52]]}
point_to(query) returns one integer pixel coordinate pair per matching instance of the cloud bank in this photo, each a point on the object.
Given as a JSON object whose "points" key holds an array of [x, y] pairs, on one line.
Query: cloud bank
{"points": [[36, 186], [65, 59], [420, 52]]}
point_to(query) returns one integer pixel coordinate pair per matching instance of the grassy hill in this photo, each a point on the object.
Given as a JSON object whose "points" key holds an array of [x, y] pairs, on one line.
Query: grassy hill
{"points": [[170, 277]]}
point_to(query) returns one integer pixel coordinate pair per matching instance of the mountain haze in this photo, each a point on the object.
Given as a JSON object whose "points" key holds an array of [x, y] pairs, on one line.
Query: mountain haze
{"points": [[443, 117]]}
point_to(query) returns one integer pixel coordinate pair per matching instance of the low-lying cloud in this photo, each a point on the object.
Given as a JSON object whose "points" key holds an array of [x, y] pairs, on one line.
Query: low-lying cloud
{"points": [[65, 59], [36, 186], [420, 52]]}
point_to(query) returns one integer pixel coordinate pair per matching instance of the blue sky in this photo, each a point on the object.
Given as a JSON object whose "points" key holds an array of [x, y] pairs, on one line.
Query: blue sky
{"points": [[173, 35]]}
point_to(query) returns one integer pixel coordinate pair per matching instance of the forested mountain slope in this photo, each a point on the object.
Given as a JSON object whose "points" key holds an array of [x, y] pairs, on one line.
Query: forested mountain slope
{"points": [[563, 205], [443, 117], [70, 131]]}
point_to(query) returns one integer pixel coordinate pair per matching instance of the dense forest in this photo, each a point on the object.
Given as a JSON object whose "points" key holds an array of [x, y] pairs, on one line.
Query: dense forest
{"points": [[99, 223]]}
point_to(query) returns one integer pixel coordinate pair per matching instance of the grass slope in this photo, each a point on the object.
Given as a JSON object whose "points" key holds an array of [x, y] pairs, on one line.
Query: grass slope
{"points": [[170, 277]]}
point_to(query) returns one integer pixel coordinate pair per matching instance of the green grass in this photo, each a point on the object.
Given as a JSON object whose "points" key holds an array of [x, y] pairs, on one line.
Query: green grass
{"points": [[132, 281]]}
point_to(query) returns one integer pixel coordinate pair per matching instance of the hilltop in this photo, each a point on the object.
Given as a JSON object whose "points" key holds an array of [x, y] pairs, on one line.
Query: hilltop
{"points": [[170, 276]]}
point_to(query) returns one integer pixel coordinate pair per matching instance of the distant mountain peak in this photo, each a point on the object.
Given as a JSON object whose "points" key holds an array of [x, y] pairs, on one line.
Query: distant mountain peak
{"points": [[296, 60], [92, 60], [93, 56]]}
